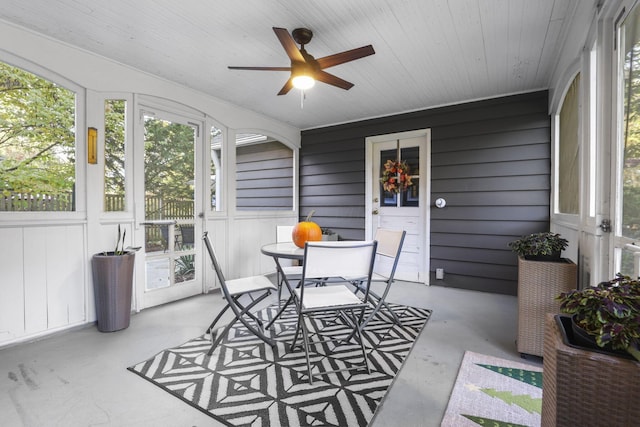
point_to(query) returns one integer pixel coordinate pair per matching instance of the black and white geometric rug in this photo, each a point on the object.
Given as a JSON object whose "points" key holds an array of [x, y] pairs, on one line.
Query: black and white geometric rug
{"points": [[245, 382]]}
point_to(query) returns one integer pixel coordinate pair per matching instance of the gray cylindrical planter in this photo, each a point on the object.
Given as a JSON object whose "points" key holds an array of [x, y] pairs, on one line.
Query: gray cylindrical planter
{"points": [[113, 285]]}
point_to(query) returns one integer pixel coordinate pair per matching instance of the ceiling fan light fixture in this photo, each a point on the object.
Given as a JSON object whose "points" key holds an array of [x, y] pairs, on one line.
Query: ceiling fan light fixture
{"points": [[305, 69], [303, 82]]}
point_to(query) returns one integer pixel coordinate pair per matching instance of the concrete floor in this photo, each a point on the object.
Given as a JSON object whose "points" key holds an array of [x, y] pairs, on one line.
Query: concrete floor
{"points": [[79, 378]]}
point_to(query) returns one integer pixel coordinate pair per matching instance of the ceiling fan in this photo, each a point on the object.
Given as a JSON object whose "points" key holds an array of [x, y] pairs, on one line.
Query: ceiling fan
{"points": [[305, 69]]}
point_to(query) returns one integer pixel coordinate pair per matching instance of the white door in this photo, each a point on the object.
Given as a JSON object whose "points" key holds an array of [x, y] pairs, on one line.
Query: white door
{"points": [[168, 203], [407, 209]]}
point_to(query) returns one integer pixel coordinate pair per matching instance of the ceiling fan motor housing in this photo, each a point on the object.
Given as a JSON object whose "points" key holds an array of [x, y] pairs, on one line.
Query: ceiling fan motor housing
{"points": [[302, 35]]}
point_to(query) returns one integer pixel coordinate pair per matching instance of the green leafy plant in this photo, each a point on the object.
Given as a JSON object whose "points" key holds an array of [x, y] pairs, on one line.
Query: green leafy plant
{"points": [[539, 244], [120, 249], [610, 312], [185, 268], [120, 242]]}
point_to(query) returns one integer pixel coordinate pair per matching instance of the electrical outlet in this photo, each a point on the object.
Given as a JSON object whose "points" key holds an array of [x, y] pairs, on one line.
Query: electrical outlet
{"points": [[439, 273]]}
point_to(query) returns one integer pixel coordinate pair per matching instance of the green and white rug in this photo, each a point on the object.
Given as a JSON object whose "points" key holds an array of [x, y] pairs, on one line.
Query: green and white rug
{"points": [[496, 392]]}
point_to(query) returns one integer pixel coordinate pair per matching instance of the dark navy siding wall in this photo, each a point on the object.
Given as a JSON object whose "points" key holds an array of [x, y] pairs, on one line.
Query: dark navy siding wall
{"points": [[490, 160]]}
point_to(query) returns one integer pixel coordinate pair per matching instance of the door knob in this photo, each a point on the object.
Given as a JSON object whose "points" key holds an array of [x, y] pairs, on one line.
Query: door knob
{"points": [[375, 212]]}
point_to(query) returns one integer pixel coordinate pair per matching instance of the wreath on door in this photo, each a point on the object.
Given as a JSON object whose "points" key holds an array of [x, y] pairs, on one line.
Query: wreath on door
{"points": [[396, 176]]}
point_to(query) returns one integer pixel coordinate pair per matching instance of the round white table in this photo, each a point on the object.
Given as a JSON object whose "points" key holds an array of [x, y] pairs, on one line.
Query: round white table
{"points": [[287, 250]]}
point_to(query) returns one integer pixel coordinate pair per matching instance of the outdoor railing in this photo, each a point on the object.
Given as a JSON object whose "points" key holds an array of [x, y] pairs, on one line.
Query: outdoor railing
{"points": [[27, 202]]}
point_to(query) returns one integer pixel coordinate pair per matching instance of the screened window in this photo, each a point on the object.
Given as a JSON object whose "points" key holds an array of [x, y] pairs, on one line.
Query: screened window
{"points": [[114, 154], [216, 137], [264, 173], [629, 81], [568, 161], [37, 143], [593, 108]]}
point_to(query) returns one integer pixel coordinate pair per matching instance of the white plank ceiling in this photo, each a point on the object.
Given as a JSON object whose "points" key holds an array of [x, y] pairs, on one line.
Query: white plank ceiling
{"points": [[428, 52]]}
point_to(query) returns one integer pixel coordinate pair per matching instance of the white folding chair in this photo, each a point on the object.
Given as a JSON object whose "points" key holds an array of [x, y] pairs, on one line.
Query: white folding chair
{"points": [[384, 269], [329, 262], [232, 290], [292, 272]]}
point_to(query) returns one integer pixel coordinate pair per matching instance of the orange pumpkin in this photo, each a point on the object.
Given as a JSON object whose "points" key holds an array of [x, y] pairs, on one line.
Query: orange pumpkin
{"points": [[306, 231]]}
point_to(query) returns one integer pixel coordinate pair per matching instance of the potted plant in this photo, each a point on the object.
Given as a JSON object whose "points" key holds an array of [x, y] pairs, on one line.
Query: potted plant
{"points": [[329, 234], [542, 275], [113, 284], [608, 313], [544, 246]]}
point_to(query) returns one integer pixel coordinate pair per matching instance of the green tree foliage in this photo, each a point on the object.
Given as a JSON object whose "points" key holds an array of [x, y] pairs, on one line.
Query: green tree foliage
{"points": [[37, 134], [631, 171], [169, 159], [114, 145]]}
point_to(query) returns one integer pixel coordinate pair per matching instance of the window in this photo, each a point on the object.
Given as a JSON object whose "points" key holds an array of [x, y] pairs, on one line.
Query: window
{"points": [[264, 173], [629, 88], [114, 154], [216, 137], [568, 171], [410, 197], [37, 143], [593, 139]]}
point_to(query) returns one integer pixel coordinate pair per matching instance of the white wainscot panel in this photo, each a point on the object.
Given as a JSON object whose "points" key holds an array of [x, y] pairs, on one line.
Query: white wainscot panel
{"points": [[43, 280], [35, 279], [65, 276], [217, 231], [11, 284], [247, 237]]}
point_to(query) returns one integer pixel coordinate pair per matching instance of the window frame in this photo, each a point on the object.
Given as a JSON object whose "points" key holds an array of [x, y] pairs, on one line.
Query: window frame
{"points": [[96, 118], [222, 200], [80, 213], [558, 143], [230, 173], [621, 246]]}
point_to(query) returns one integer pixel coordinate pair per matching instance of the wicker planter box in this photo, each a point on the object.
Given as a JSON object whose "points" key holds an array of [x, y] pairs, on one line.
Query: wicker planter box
{"points": [[539, 282], [586, 388]]}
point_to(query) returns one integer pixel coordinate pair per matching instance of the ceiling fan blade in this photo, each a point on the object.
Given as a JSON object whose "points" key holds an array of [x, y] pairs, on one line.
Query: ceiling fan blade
{"points": [[262, 68], [346, 56], [325, 77], [289, 44], [287, 87]]}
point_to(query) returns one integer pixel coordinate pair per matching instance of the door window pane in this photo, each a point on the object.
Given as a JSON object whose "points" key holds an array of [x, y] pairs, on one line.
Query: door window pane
{"points": [[410, 196], [411, 156], [169, 164], [114, 154], [37, 143]]}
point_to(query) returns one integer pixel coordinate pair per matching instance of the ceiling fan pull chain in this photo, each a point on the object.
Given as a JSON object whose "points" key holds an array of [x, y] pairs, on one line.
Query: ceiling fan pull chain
{"points": [[302, 96]]}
